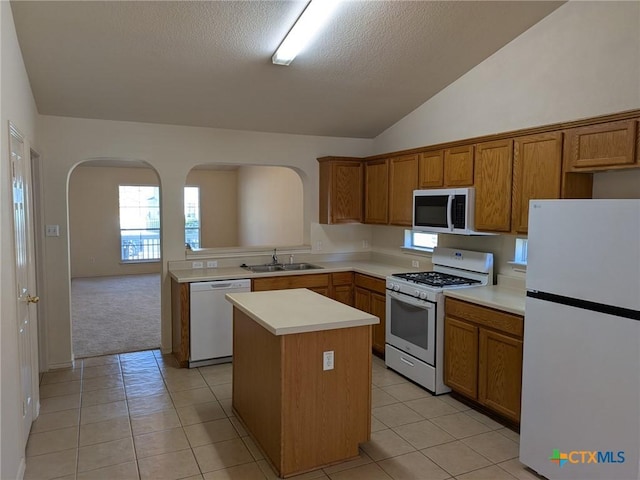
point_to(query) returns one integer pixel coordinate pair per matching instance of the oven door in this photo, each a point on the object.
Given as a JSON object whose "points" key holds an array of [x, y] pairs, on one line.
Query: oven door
{"points": [[411, 326]]}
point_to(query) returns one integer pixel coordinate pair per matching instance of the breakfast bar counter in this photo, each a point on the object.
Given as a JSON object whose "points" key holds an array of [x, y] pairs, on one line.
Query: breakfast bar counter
{"points": [[302, 376]]}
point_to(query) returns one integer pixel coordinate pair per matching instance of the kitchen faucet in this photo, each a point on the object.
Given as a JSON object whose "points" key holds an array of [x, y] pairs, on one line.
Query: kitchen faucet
{"points": [[274, 257]]}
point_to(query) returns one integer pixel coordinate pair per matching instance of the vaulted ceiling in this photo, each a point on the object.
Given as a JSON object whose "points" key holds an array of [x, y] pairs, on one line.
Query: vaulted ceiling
{"points": [[208, 63]]}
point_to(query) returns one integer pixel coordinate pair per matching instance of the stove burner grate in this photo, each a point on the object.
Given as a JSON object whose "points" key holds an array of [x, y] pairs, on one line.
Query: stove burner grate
{"points": [[436, 279]]}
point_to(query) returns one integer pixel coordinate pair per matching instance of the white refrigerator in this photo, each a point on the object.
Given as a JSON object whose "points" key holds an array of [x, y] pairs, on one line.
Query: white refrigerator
{"points": [[580, 416]]}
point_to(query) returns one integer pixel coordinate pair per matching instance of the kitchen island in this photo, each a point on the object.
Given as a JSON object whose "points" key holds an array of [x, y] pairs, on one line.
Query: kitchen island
{"points": [[302, 376]]}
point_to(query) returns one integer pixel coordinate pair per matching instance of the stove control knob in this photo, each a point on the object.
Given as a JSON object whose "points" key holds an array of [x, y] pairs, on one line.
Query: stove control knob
{"points": [[417, 293], [423, 295], [396, 287]]}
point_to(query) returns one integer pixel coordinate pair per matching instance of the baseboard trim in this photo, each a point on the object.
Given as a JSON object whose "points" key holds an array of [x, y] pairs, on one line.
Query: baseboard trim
{"points": [[21, 469], [58, 366]]}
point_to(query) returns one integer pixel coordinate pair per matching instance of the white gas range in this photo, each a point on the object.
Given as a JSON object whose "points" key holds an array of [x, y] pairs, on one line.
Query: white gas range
{"points": [[415, 313]]}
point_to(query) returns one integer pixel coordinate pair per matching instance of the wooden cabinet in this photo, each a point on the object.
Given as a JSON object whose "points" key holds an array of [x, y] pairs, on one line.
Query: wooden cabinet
{"points": [[493, 172], [458, 166], [318, 282], [500, 373], [483, 356], [431, 169], [376, 192], [537, 174], [370, 297], [461, 357], [342, 287], [341, 185], [180, 321], [602, 146], [403, 180]]}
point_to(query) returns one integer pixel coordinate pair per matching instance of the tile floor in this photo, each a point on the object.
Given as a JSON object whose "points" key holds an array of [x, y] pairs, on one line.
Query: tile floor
{"points": [[137, 415]]}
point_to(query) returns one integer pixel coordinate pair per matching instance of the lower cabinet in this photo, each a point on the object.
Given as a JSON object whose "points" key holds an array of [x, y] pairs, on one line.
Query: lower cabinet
{"points": [[483, 356], [370, 297]]}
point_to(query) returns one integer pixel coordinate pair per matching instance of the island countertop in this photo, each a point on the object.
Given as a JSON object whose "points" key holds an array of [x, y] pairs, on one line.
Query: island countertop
{"points": [[284, 312]]}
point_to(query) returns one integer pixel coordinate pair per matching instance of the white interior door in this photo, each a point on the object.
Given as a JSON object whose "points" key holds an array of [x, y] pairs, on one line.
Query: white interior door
{"points": [[26, 315]]}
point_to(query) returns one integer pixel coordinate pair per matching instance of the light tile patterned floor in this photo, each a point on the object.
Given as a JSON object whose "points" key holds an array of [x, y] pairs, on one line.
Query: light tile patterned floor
{"points": [[138, 416]]}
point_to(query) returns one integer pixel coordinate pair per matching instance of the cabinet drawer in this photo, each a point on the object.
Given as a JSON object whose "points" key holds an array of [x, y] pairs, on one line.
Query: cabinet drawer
{"points": [[371, 283], [291, 281], [487, 317], [342, 278]]}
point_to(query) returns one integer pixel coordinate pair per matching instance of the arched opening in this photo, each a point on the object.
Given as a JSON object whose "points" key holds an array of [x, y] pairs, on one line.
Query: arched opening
{"points": [[244, 206], [115, 257]]}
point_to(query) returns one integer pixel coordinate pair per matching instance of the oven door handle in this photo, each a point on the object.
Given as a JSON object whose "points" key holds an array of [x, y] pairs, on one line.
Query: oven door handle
{"points": [[401, 297]]}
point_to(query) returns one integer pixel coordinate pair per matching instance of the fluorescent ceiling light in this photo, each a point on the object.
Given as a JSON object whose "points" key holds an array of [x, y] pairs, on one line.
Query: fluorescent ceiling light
{"points": [[313, 17]]}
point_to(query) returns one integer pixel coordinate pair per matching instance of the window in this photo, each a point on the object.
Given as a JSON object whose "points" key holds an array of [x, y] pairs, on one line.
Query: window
{"points": [[192, 217], [520, 255], [420, 240], [139, 223]]}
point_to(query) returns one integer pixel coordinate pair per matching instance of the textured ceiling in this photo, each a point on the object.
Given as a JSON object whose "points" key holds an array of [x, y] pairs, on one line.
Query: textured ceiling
{"points": [[209, 63]]}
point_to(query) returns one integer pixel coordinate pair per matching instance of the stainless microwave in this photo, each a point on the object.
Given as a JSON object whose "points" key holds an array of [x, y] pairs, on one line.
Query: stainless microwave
{"points": [[444, 211]]}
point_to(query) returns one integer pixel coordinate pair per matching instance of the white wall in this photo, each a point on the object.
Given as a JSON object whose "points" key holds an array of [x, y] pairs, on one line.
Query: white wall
{"points": [[16, 105], [583, 60], [270, 209], [173, 151]]}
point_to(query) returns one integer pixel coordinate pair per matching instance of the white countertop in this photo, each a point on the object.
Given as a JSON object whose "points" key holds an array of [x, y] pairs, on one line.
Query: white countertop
{"points": [[496, 296], [230, 273], [284, 312]]}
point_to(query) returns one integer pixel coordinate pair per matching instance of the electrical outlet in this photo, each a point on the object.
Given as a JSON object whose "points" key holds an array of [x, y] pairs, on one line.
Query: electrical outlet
{"points": [[365, 243], [327, 360], [415, 264], [197, 265], [52, 231], [212, 264], [318, 245]]}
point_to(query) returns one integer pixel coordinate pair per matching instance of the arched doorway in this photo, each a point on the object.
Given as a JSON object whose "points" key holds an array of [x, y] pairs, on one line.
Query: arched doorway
{"points": [[115, 257]]}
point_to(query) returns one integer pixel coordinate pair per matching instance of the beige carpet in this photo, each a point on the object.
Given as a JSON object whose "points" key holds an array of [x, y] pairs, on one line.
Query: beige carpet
{"points": [[115, 314]]}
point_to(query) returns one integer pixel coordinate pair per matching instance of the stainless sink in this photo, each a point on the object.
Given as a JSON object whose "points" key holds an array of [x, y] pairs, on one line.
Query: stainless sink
{"points": [[279, 267], [300, 266], [264, 268]]}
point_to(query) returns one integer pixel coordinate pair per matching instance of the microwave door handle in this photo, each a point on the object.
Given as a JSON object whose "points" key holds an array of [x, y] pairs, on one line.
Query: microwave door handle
{"points": [[449, 216]]}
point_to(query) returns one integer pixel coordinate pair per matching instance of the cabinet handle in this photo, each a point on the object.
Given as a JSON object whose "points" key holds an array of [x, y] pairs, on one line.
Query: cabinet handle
{"points": [[402, 359]]}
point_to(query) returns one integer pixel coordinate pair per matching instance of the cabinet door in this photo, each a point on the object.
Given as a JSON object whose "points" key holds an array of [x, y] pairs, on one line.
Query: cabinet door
{"points": [[493, 169], [431, 169], [537, 166], [376, 191], [461, 357], [362, 299], [379, 309], [602, 146], [343, 294], [341, 183], [500, 373], [458, 166], [403, 180]]}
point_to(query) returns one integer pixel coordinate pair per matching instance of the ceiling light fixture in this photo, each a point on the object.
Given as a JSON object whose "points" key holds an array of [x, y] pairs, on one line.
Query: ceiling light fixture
{"points": [[313, 17]]}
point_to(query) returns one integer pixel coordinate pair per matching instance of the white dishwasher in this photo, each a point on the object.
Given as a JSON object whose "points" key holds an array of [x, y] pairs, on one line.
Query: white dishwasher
{"points": [[211, 322]]}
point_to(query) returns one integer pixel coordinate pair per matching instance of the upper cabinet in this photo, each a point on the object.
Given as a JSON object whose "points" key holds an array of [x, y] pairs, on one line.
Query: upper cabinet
{"points": [[431, 169], [458, 166], [403, 180], [537, 174], [601, 147], [493, 171], [376, 191], [341, 182]]}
